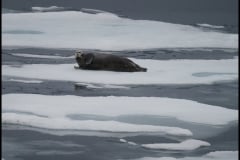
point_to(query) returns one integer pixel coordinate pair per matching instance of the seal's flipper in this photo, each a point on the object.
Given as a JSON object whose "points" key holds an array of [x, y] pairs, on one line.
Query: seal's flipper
{"points": [[76, 67], [88, 59], [144, 69]]}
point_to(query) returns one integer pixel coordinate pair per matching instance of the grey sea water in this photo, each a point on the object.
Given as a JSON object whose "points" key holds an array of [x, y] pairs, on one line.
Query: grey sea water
{"points": [[26, 143]]}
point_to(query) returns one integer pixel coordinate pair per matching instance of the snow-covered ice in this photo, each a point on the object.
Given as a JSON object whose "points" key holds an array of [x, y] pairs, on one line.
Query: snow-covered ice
{"points": [[59, 107], [159, 72], [105, 31], [63, 123]]}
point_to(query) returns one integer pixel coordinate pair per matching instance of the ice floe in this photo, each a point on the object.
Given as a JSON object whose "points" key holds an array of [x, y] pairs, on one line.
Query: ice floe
{"points": [[186, 145], [189, 144], [24, 81], [123, 140], [129, 142], [47, 9], [64, 123], [159, 72], [72, 29], [97, 86], [41, 56], [209, 26], [94, 11], [60, 107]]}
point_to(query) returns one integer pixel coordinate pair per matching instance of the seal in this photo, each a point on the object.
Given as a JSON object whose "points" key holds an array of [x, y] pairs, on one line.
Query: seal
{"points": [[109, 62]]}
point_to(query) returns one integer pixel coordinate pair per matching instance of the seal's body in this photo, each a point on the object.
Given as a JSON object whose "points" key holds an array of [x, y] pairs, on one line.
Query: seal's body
{"points": [[108, 62]]}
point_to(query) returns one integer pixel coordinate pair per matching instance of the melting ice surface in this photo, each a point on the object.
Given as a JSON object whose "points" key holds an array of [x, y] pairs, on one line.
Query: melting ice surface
{"points": [[54, 113], [71, 29], [159, 72], [58, 108], [106, 31]]}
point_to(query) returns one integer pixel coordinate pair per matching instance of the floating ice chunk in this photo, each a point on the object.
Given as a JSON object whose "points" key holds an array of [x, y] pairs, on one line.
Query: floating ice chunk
{"points": [[62, 123], [129, 142], [210, 26], [132, 143], [71, 29], [189, 144], [159, 72], [62, 106], [46, 9], [95, 11], [25, 81], [123, 140], [40, 56], [97, 86]]}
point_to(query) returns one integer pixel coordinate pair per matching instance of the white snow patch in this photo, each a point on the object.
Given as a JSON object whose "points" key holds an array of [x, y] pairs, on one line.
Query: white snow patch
{"points": [[71, 29], [40, 56], [159, 72], [59, 107], [189, 144]]}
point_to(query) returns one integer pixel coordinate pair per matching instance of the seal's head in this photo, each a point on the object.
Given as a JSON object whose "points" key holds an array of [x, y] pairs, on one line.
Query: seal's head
{"points": [[83, 59], [78, 54]]}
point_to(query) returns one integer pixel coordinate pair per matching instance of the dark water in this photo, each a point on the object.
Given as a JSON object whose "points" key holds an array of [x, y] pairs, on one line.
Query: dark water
{"points": [[27, 144], [220, 94], [19, 142]]}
